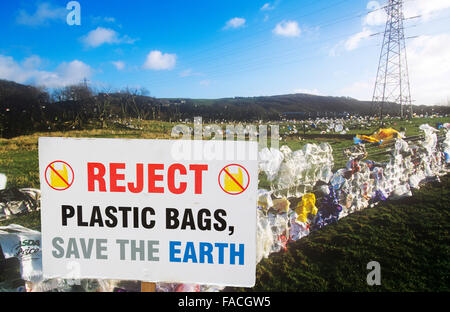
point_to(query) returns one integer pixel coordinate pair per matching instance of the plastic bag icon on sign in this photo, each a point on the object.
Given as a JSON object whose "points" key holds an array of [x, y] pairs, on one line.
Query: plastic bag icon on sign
{"points": [[233, 181], [58, 178]]}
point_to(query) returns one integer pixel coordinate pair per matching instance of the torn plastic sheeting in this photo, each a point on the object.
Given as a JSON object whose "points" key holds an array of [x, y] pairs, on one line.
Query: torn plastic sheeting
{"points": [[24, 244], [382, 136], [362, 184], [329, 210], [446, 147], [264, 200], [298, 229], [356, 152], [15, 202], [264, 237], [84, 285], [279, 225], [387, 134], [378, 196], [360, 138], [270, 161], [301, 170]]}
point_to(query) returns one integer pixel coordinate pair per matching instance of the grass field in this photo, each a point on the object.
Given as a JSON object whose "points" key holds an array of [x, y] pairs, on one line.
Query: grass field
{"points": [[409, 238], [19, 156]]}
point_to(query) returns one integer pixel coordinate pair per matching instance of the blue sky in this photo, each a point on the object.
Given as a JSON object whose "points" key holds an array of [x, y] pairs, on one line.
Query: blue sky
{"points": [[213, 49]]}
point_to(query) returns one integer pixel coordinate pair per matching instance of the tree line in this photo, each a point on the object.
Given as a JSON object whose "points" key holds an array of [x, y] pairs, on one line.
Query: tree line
{"points": [[27, 109]]}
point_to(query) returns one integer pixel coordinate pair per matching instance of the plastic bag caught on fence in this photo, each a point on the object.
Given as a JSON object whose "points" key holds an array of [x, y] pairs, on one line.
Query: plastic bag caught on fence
{"points": [[264, 200], [270, 161], [24, 244], [329, 209], [301, 170], [264, 237], [279, 225], [306, 208], [281, 205], [298, 229], [446, 147]]}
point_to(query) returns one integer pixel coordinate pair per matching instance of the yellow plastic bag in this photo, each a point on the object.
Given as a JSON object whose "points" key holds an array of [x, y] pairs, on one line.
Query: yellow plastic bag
{"points": [[306, 207], [383, 135], [367, 138], [386, 134]]}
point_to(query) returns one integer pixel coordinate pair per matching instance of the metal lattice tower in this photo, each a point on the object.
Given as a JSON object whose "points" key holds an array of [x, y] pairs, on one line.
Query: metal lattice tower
{"points": [[392, 82]]}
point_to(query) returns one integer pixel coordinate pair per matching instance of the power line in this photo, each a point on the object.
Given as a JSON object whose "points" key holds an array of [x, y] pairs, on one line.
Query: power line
{"points": [[392, 80]]}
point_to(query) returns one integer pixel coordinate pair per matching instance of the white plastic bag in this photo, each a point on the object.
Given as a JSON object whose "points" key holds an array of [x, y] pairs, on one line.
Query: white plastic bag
{"points": [[24, 244]]}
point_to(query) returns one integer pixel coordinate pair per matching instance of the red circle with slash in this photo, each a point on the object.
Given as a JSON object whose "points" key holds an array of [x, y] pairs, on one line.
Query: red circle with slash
{"points": [[225, 172], [68, 182]]}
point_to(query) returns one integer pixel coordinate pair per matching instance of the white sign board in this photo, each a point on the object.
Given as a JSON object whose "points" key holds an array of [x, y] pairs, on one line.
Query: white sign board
{"points": [[149, 210]]}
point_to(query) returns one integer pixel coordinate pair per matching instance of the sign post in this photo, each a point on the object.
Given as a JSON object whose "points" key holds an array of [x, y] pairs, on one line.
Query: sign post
{"points": [[150, 210]]}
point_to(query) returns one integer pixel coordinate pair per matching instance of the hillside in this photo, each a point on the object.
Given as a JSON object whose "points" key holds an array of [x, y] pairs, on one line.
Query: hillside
{"points": [[26, 109]]}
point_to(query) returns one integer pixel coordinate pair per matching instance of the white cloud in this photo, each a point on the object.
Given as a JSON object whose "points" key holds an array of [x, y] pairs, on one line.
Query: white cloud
{"points": [[353, 42], [186, 73], [100, 36], [429, 72], [267, 7], [156, 60], [189, 73], [28, 72], [307, 91], [32, 62], [235, 22], [361, 90], [103, 19], [425, 8], [205, 83], [429, 68], [44, 14], [119, 65], [376, 16], [287, 29]]}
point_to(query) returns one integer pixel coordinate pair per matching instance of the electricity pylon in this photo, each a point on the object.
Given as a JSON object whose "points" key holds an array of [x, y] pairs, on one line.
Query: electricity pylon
{"points": [[392, 82]]}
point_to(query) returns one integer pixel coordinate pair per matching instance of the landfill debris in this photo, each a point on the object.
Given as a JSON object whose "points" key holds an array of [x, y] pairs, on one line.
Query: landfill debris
{"points": [[264, 200], [294, 176], [382, 136], [362, 183], [15, 202], [301, 170], [306, 208], [24, 244], [281, 205]]}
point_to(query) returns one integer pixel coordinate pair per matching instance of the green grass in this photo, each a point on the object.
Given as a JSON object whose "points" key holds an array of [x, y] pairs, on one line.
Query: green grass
{"points": [[409, 238]]}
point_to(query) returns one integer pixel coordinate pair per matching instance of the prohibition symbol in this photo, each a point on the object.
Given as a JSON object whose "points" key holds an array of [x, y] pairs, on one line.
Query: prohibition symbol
{"points": [[59, 175], [234, 179]]}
